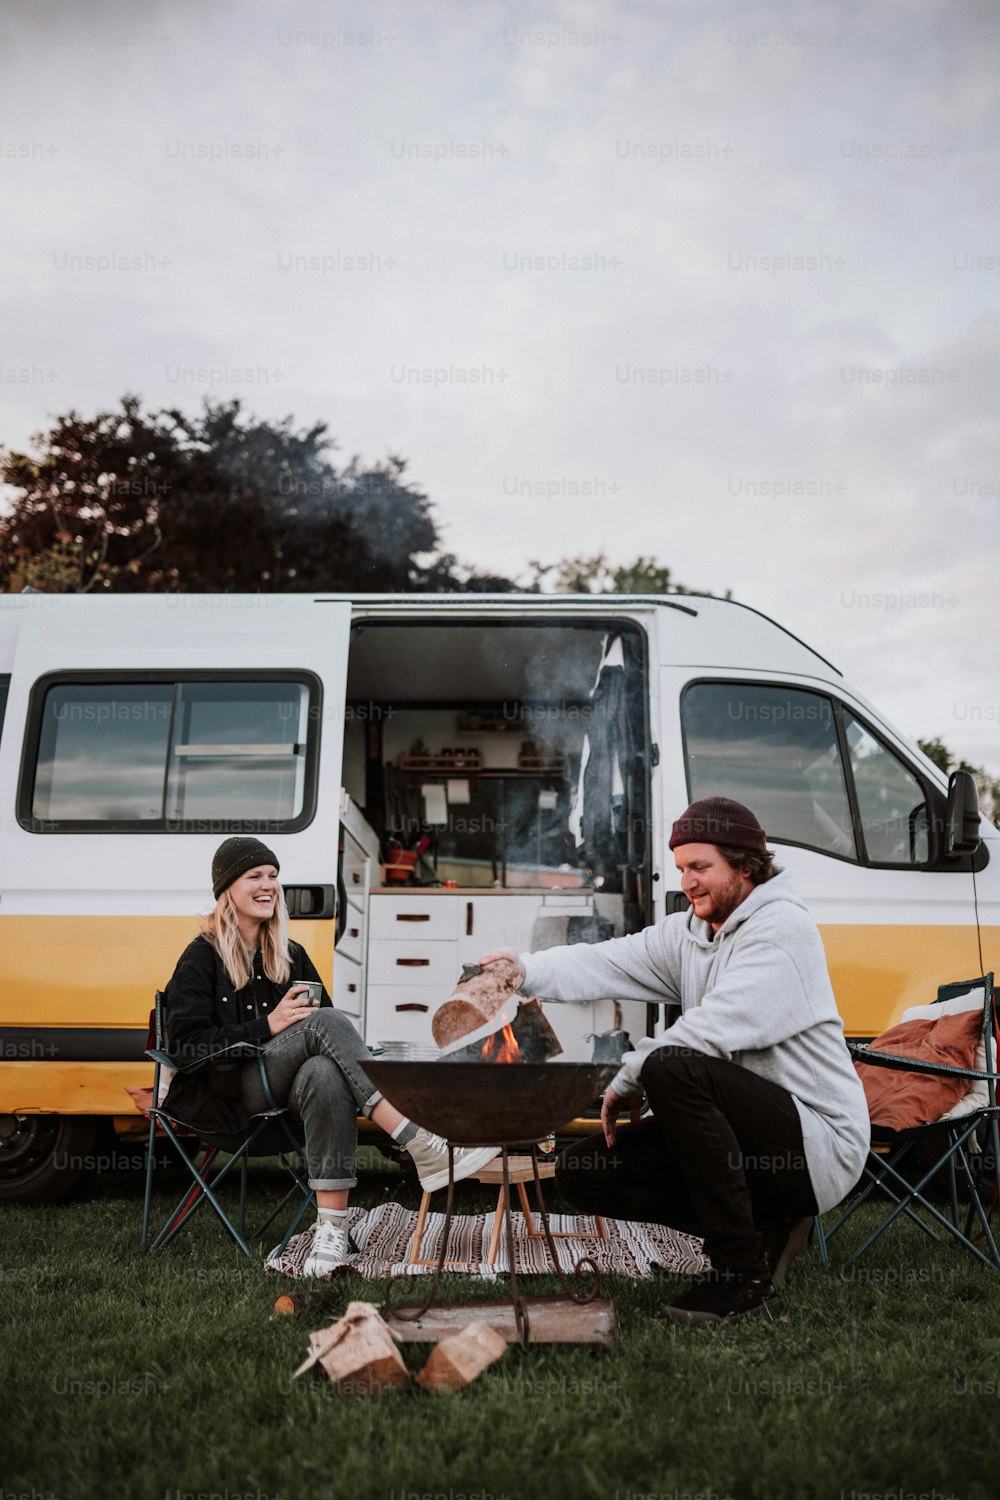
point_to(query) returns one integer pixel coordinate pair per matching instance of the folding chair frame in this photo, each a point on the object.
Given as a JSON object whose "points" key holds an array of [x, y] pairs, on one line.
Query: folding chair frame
{"points": [[881, 1172], [237, 1149]]}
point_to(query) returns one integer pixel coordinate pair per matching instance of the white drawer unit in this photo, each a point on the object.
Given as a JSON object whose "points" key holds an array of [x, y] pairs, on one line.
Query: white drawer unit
{"points": [[418, 942], [489, 922], [408, 963], [348, 985], [396, 1015], [413, 917], [351, 943]]}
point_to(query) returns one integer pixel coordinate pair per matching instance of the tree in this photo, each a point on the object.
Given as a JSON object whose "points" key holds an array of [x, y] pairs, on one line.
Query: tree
{"points": [[937, 751], [987, 785], [129, 501], [596, 575]]}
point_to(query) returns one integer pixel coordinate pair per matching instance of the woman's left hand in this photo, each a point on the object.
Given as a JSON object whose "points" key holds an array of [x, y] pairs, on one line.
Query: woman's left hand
{"points": [[293, 1006]]}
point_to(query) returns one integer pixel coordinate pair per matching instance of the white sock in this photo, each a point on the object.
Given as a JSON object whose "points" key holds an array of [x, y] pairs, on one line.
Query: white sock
{"points": [[335, 1216]]}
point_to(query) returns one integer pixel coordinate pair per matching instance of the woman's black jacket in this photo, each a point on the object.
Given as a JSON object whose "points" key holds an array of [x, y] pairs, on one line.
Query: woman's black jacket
{"points": [[213, 1031]]}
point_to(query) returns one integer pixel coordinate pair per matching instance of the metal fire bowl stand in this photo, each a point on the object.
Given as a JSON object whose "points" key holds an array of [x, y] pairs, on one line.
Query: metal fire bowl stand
{"points": [[506, 1105]]}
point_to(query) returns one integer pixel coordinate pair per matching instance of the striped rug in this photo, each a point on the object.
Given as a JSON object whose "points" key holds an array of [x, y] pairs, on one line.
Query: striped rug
{"points": [[383, 1236]]}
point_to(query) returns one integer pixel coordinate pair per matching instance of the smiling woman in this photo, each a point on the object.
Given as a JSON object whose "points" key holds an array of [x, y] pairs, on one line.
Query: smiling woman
{"points": [[245, 1036]]}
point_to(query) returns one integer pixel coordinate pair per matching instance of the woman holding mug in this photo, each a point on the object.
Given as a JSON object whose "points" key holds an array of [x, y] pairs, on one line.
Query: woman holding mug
{"points": [[239, 999]]}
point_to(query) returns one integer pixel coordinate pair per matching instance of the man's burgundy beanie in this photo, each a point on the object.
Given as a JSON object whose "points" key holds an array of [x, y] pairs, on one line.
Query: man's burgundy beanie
{"points": [[719, 820]]}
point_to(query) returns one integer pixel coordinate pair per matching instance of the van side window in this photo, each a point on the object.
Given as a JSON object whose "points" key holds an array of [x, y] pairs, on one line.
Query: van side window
{"points": [[4, 690], [891, 801], [159, 754], [776, 750]]}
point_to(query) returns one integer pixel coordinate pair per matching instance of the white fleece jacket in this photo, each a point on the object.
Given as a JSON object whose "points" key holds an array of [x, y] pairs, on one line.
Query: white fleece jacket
{"points": [[756, 993]]}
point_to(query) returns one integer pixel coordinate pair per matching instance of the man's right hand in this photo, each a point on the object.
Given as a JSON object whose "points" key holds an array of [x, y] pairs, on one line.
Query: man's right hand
{"points": [[611, 1106], [497, 955]]}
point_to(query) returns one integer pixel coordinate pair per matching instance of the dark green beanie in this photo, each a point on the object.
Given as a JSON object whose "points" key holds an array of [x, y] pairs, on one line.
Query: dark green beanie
{"points": [[235, 857]]}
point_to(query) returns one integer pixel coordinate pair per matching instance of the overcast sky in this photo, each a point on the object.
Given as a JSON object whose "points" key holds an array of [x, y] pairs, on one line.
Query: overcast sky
{"points": [[717, 284]]}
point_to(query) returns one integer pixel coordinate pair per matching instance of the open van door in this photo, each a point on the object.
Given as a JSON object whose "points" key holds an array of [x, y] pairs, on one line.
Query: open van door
{"points": [[140, 732]]}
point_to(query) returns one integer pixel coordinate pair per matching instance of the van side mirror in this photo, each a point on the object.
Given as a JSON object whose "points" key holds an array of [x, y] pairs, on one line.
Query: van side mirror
{"points": [[962, 823]]}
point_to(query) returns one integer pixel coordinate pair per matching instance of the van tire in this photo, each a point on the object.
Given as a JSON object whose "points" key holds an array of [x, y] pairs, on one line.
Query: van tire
{"points": [[43, 1157]]}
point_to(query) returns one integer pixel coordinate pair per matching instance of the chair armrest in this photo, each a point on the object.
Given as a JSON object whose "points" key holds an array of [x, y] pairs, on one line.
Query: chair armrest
{"points": [[861, 1052]]}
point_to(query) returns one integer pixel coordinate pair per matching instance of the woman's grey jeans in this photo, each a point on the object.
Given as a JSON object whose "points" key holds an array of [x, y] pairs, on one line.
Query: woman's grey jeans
{"points": [[316, 1068]]}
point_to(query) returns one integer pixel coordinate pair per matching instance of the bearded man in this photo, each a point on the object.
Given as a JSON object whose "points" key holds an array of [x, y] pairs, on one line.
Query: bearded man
{"points": [[757, 1118]]}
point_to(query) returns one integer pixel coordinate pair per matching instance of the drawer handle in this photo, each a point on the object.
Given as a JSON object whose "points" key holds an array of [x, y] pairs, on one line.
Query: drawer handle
{"points": [[468, 918], [413, 963], [413, 916], [413, 1006]]}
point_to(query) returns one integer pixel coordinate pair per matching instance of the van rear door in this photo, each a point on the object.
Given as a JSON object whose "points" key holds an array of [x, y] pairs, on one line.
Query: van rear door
{"points": [[140, 732]]}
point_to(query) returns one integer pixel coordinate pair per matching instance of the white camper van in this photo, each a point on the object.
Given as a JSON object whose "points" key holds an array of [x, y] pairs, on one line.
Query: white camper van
{"points": [[438, 776]]}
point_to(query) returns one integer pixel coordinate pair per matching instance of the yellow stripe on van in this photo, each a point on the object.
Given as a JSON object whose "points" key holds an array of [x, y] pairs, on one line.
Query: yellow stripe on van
{"points": [[878, 972], [104, 971]]}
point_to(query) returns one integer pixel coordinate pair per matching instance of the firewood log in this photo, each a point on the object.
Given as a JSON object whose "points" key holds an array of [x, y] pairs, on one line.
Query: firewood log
{"points": [[323, 1300], [456, 1361], [476, 998], [358, 1353]]}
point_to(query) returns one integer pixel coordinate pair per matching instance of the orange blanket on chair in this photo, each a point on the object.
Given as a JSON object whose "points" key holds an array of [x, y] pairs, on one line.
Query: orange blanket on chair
{"points": [[901, 1100]]}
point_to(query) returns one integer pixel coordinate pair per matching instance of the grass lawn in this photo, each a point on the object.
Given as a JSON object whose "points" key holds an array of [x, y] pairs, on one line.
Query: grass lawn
{"points": [[170, 1377]]}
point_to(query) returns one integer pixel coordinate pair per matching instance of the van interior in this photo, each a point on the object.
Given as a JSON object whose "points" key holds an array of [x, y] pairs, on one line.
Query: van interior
{"points": [[504, 756]]}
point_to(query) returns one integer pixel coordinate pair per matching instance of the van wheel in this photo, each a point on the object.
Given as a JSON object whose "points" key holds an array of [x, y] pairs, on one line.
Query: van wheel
{"points": [[43, 1157]]}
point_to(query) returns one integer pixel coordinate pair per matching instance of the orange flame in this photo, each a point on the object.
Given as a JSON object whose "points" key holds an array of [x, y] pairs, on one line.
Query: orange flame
{"points": [[501, 1047]]}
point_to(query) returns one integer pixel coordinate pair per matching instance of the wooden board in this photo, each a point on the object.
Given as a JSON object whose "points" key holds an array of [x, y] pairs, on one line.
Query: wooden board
{"points": [[551, 1320]]}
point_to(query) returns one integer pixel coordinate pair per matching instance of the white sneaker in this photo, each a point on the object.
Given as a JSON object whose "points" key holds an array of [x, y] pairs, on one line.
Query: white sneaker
{"points": [[430, 1154], [330, 1249]]}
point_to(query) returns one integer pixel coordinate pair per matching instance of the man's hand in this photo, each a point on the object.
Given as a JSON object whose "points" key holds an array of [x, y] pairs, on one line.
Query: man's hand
{"points": [[497, 955], [293, 1006], [610, 1108]]}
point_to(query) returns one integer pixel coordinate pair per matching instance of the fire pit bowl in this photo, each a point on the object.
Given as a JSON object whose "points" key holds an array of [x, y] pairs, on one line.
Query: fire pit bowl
{"points": [[488, 1103]]}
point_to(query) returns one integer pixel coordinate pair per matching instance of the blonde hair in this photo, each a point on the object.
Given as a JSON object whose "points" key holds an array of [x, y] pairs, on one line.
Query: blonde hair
{"points": [[222, 930]]}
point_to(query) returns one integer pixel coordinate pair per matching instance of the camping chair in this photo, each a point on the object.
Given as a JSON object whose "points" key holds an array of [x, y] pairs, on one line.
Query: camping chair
{"points": [[268, 1134], [954, 1141]]}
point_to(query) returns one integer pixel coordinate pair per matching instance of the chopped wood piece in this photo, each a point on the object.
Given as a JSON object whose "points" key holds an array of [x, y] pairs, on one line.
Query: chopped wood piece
{"points": [[358, 1353], [457, 1361], [535, 1037], [323, 1300], [476, 998]]}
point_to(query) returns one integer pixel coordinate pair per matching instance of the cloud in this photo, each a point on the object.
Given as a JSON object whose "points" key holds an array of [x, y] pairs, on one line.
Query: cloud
{"points": [[636, 281]]}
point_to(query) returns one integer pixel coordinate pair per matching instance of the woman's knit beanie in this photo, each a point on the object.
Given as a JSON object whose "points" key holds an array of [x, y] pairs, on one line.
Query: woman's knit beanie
{"points": [[235, 857]]}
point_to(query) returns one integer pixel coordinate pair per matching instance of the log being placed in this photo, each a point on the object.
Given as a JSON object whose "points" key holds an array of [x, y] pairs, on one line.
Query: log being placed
{"points": [[358, 1353], [479, 995], [460, 1359]]}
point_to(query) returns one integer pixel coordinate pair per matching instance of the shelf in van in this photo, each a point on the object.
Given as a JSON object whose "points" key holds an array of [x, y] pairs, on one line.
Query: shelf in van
{"points": [[442, 763]]}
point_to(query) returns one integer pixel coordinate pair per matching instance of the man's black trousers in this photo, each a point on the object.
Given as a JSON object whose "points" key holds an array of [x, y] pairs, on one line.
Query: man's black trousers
{"points": [[722, 1157]]}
